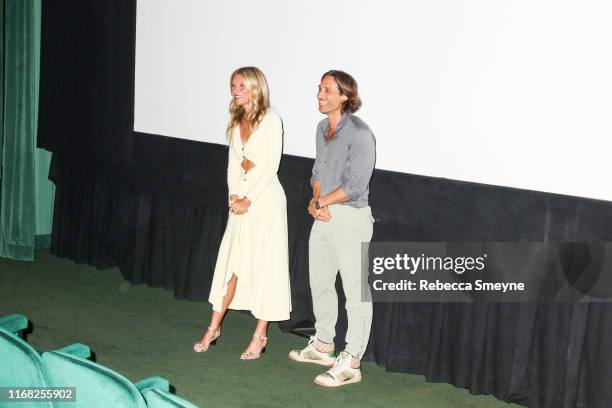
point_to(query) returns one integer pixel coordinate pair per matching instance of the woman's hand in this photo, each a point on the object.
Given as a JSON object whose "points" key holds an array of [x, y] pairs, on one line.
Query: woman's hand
{"points": [[240, 205], [232, 199]]}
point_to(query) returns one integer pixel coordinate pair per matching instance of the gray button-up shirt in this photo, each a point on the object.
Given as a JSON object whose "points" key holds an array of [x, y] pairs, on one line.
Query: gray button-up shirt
{"points": [[347, 160]]}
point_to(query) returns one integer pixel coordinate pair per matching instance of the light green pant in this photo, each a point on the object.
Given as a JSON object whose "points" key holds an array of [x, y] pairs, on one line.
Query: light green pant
{"points": [[336, 245]]}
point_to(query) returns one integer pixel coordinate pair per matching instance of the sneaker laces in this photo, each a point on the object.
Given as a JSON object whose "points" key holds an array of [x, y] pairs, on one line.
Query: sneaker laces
{"points": [[310, 346], [312, 340], [342, 362]]}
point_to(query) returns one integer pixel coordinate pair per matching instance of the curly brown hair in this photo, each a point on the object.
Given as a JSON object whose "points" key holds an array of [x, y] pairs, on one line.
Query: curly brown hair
{"points": [[348, 87]]}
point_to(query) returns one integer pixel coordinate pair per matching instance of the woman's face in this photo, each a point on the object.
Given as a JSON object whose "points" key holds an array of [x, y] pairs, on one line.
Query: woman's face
{"points": [[240, 92]]}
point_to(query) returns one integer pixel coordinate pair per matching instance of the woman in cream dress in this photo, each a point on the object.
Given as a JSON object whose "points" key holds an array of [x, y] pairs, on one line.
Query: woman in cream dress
{"points": [[252, 270]]}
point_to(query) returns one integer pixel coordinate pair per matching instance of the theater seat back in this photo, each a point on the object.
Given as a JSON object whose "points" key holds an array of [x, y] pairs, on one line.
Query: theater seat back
{"points": [[96, 386], [21, 364]]}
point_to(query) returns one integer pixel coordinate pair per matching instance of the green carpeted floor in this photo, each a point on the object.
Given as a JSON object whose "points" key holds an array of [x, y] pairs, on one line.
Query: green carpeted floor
{"points": [[141, 331]]}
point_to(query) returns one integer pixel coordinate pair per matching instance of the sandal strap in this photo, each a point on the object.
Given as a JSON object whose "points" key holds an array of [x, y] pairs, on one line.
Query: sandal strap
{"points": [[257, 336]]}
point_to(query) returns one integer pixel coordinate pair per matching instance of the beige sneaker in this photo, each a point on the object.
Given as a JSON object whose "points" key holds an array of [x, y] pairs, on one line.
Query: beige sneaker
{"points": [[310, 354], [340, 374]]}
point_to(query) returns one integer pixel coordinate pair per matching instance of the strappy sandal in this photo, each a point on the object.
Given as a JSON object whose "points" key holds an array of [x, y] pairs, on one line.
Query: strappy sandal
{"points": [[252, 355], [200, 347]]}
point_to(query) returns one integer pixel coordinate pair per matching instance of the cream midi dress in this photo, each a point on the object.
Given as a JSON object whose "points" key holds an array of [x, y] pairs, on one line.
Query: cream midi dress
{"points": [[254, 246]]}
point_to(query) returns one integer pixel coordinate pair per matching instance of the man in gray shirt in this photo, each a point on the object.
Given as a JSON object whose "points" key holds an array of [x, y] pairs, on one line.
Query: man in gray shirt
{"points": [[346, 152]]}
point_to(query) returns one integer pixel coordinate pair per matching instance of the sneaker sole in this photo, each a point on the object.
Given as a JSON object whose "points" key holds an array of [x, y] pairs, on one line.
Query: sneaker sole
{"points": [[318, 362], [340, 384]]}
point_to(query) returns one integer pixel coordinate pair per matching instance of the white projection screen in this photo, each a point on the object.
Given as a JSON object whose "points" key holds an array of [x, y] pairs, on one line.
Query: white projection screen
{"points": [[513, 93]]}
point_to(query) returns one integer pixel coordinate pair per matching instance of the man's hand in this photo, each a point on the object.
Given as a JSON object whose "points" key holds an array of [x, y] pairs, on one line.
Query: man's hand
{"points": [[321, 214], [312, 210], [240, 206], [324, 215], [232, 199]]}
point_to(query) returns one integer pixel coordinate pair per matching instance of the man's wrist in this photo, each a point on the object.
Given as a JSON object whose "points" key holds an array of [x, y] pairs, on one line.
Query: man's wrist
{"points": [[322, 201]]}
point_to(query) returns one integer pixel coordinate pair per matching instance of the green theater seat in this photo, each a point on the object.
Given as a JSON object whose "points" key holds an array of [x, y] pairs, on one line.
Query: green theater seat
{"points": [[14, 323], [162, 399], [21, 364], [96, 385]]}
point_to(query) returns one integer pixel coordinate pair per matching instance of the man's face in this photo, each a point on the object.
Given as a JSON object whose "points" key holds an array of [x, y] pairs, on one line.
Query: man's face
{"points": [[330, 99]]}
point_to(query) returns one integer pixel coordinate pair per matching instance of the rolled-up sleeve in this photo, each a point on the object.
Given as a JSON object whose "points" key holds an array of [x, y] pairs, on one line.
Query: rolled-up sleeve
{"points": [[273, 136], [316, 168], [233, 170], [362, 157]]}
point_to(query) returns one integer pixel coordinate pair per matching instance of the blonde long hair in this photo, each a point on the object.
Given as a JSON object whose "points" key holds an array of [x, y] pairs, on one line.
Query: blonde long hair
{"points": [[256, 82]]}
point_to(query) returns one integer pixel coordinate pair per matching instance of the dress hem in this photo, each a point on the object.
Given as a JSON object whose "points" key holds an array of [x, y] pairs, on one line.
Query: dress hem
{"points": [[255, 314]]}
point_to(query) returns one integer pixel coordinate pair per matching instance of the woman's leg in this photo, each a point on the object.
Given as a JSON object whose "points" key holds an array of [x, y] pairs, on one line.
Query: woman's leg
{"points": [[258, 341], [217, 316]]}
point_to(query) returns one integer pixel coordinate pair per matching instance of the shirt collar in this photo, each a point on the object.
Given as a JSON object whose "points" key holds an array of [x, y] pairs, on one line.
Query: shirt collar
{"points": [[346, 116], [343, 121]]}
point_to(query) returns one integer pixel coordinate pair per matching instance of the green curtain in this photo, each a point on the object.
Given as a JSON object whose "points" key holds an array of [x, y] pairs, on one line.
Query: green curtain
{"points": [[1, 83], [26, 195]]}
